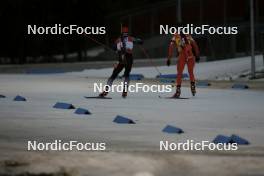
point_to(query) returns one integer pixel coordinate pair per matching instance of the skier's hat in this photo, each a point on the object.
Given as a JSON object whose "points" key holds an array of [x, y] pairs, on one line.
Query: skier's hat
{"points": [[124, 29]]}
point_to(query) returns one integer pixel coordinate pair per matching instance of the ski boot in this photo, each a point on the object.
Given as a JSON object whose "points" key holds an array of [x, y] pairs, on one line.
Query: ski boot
{"points": [[193, 90], [103, 94], [178, 92], [124, 94]]}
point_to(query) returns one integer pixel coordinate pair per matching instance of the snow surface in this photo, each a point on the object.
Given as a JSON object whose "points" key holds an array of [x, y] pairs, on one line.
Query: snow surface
{"points": [[216, 70], [132, 149], [211, 112]]}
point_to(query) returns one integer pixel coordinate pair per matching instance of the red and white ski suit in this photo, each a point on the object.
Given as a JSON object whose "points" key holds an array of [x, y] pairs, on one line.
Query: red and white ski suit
{"points": [[187, 50]]}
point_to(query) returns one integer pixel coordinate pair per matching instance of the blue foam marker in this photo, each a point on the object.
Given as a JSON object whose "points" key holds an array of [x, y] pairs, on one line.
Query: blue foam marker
{"points": [[172, 129], [240, 86], [136, 76], [203, 84], [167, 76], [20, 98], [123, 120], [185, 75], [167, 80], [60, 105], [222, 139], [172, 76], [82, 111], [239, 140]]}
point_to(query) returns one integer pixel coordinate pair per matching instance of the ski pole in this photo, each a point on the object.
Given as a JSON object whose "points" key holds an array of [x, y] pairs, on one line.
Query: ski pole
{"points": [[146, 54], [100, 43], [142, 49]]}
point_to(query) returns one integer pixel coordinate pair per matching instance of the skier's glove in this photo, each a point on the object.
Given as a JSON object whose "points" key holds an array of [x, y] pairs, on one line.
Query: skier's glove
{"points": [[197, 59], [168, 62]]}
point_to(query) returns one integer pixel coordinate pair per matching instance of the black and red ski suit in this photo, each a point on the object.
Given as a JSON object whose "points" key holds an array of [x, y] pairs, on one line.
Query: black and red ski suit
{"points": [[124, 47]]}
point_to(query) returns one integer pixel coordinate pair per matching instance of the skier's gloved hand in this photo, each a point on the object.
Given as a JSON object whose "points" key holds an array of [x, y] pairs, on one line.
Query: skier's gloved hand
{"points": [[197, 59], [168, 62]]}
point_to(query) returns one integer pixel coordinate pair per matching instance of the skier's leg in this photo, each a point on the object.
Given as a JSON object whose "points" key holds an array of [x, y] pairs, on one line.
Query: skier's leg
{"points": [[111, 79], [190, 64], [178, 92], [115, 73], [180, 68], [128, 67]]}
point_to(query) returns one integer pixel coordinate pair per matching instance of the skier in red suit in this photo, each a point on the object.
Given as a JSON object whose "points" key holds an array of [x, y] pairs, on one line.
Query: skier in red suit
{"points": [[188, 53]]}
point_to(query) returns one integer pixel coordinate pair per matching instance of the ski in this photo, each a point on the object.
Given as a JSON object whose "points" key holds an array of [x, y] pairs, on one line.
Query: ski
{"points": [[98, 97], [183, 98]]}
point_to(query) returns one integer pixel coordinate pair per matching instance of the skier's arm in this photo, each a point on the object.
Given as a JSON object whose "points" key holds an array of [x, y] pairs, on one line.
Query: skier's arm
{"points": [[123, 47], [171, 47], [196, 51], [117, 48], [170, 52], [114, 45], [174, 43]]}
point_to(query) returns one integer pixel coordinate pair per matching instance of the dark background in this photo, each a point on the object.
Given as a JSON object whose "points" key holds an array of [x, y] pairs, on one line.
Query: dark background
{"points": [[143, 18]]}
